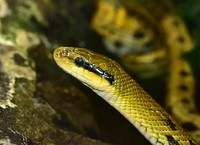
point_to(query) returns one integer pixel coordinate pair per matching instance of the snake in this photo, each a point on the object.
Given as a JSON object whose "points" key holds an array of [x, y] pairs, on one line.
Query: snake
{"points": [[111, 82]]}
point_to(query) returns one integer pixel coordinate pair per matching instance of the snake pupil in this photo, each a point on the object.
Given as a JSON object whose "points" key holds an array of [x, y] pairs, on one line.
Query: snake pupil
{"points": [[79, 61]]}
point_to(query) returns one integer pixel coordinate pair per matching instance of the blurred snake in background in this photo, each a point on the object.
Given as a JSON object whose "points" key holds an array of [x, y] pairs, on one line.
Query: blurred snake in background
{"points": [[146, 37]]}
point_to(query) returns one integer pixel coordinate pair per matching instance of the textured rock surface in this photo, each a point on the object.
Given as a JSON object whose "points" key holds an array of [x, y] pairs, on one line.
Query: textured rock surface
{"points": [[26, 116]]}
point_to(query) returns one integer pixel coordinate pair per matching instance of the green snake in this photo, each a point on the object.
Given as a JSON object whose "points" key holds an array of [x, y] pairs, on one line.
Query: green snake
{"points": [[109, 80]]}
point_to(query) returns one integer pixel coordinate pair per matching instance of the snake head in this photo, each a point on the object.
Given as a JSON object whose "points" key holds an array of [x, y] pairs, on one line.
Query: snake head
{"points": [[94, 70]]}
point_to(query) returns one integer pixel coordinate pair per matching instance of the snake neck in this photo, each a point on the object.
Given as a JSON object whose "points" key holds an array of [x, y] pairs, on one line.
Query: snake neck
{"points": [[126, 96]]}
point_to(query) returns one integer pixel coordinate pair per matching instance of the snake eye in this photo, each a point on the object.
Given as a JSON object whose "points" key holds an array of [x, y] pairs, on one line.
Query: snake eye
{"points": [[79, 61]]}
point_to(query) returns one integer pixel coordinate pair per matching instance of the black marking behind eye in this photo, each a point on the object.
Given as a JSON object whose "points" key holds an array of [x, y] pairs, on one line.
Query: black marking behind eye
{"points": [[171, 124], [80, 62], [171, 140], [99, 71]]}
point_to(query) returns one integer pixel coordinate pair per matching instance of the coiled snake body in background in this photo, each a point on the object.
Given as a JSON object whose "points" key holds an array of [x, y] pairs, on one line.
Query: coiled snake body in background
{"points": [[107, 78]]}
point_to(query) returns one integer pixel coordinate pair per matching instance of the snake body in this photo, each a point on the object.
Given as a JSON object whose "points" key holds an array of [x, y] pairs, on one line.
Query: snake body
{"points": [[108, 79], [150, 38]]}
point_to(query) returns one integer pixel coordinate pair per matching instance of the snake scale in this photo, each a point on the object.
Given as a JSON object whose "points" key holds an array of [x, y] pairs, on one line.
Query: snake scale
{"points": [[108, 79]]}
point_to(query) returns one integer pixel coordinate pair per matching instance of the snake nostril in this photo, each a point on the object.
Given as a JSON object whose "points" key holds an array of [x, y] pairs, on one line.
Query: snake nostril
{"points": [[62, 53]]}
